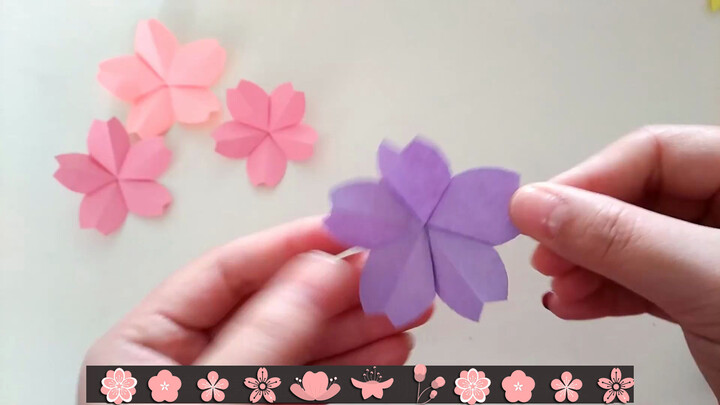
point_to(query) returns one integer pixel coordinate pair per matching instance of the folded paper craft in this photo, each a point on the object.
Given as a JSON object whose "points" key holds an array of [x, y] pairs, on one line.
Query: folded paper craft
{"points": [[266, 129], [428, 232], [116, 177], [164, 80]]}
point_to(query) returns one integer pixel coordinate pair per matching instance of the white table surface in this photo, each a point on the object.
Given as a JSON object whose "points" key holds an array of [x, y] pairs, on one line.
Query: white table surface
{"points": [[536, 86]]}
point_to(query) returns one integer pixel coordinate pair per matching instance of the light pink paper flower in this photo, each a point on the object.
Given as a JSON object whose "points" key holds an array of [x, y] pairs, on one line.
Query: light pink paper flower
{"points": [[567, 388], [164, 80], [518, 387], [472, 386], [419, 372], [262, 386], [266, 130], [315, 387], [616, 387], [164, 386], [118, 386], [116, 177], [213, 388]]}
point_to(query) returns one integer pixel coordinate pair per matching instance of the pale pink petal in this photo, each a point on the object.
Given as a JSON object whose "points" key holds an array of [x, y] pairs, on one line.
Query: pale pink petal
{"points": [[609, 396], [249, 104], [103, 210], [296, 141], [623, 396], [236, 140], [80, 173], [604, 383], [566, 378], [125, 394], [466, 395], [222, 384], [219, 395], [572, 396], [207, 395], [255, 396], [556, 384], [479, 394], [145, 198], [458, 390], [472, 375], [151, 115], [269, 396], [213, 377], [483, 382], [156, 45], [203, 384], [113, 395], [560, 395], [287, 107], [463, 374], [193, 105], [109, 382], [262, 374], [108, 143], [627, 383], [463, 383], [273, 382], [266, 164], [576, 384], [119, 376], [251, 382], [146, 160], [198, 63], [616, 375], [128, 77], [129, 382]]}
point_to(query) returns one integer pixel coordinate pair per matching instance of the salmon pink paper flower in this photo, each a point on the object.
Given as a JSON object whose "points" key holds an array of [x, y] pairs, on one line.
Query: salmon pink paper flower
{"points": [[616, 387], [566, 387], [164, 386], [262, 386], [118, 386], [116, 177], [518, 387], [472, 386], [213, 388], [164, 81], [265, 129]]}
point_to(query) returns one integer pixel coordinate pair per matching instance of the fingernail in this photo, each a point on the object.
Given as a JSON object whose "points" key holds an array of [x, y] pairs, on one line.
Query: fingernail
{"points": [[546, 299], [538, 212]]}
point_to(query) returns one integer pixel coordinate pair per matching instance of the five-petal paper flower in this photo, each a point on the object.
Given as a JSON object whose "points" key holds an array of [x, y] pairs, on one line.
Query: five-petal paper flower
{"points": [[164, 80], [262, 386], [566, 387], [518, 387], [212, 387], [616, 387], [266, 129], [116, 177], [164, 386], [427, 232], [118, 386], [472, 386]]}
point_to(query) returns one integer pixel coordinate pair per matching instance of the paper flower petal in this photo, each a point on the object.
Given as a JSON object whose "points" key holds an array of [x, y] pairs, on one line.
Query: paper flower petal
{"points": [[266, 164], [193, 105], [81, 173], [152, 115], [199, 63], [296, 141], [145, 198], [398, 280], [249, 104], [476, 204], [108, 144], [128, 77], [156, 45], [368, 214], [103, 209], [236, 140], [419, 174], [287, 107], [146, 160]]}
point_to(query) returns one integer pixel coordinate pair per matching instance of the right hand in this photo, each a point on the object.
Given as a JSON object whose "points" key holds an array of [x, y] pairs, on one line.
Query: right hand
{"points": [[634, 230]]}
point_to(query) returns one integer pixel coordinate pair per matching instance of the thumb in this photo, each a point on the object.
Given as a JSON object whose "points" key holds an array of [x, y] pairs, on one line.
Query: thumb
{"points": [[668, 261]]}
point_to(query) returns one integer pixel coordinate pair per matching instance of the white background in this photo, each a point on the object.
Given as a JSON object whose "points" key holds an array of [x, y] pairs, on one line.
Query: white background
{"points": [[535, 86]]}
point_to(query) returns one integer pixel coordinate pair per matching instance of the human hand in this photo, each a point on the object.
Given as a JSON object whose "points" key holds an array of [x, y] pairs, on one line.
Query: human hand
{"points": [[633, 230], [276, 297]]}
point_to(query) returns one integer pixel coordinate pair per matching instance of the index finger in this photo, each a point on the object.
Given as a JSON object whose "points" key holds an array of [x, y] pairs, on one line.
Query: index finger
{"points": [[203, 293]]}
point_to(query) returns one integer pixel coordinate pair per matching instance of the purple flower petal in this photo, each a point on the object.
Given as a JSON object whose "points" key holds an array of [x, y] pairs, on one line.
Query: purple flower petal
{"points": [[398, 279], [419, 174], [476, 205], [467, 273], [368, 214]]}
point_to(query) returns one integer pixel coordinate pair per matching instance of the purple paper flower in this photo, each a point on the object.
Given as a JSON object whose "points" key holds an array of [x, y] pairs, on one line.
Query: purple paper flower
{"points": [[427, 232]]}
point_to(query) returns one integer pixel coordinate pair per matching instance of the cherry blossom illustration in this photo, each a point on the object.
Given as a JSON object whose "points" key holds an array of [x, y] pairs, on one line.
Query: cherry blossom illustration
{"points": [[419, 373], [472, 386], [213, 388], [315, 387], [164, 386], [372, 384], [262, 386], [118, 386], [566, 387], [616, 387], [518, 387]]}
